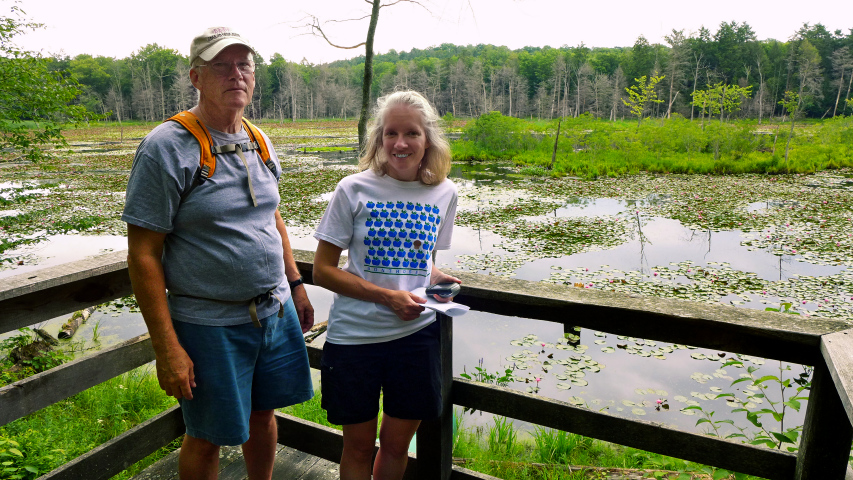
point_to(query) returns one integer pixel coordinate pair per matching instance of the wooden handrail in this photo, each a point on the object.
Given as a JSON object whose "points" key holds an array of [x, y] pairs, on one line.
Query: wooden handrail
{"points": [[826, 344]]}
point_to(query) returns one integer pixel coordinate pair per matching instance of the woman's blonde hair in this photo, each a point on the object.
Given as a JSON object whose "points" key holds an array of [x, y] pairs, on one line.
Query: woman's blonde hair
{"points": [[436, 162]]}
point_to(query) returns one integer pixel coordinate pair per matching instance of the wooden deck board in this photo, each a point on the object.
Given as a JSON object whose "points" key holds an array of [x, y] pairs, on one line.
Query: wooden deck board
{"points": [[290, 464]]}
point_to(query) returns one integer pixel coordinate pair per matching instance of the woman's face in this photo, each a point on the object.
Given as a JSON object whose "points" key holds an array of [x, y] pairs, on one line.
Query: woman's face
{"points": [[404, 142]]}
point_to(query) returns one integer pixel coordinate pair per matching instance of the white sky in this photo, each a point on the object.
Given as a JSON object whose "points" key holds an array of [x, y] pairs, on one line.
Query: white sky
{"points": [[118, 28]]}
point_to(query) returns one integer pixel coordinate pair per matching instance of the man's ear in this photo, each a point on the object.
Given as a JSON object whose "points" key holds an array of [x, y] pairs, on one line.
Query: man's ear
{"points": [[194, 78]]}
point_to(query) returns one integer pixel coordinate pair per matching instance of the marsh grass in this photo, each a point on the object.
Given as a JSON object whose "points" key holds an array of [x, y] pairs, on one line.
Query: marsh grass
{"points": [[501, 450], [67, 429], [593, 148]]}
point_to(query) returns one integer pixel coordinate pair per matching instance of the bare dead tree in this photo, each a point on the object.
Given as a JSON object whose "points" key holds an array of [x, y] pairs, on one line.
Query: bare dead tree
{"points": [[316, 27]]}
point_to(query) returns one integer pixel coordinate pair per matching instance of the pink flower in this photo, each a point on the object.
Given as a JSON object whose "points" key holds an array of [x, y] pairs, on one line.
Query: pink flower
{"points": [[804, 302], [543, 344], [659, 401]]}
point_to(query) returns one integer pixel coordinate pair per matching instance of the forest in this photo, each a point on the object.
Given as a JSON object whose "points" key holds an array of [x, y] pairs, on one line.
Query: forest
{"points": [[533, 82]]}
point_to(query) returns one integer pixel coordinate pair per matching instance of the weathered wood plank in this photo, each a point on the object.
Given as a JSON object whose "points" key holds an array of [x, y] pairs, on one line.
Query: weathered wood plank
{"points": [[837, 351], [633, 433], [460, 473], [33, 297], [827, 436], [105, 461], [435, 437], [315, 355], [25, 300], [292, 464], [43, 389], [791, 338], [165, 469], [318, 440], [321, 470]]}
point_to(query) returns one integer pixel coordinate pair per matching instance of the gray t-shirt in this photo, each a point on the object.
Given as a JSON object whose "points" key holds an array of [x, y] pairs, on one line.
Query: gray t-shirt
{"points": [[220, 250]]}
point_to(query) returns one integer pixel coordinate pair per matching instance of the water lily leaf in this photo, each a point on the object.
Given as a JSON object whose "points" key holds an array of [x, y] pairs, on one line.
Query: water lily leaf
{"points": [[576, 401], [698, 356], [579, 382], [564, 386], [608, 349], [628, 403], [638, 411]]}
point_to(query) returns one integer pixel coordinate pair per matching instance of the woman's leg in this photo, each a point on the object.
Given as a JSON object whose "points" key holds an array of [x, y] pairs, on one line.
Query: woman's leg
{"points": [[359, 442], [395, 435]]}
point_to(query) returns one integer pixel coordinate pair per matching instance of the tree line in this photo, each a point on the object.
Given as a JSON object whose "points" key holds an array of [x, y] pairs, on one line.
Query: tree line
{"points": [[540, 82]]}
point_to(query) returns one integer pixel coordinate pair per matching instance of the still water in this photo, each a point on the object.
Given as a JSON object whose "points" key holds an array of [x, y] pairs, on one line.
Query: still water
{"points": [[623, 376]]}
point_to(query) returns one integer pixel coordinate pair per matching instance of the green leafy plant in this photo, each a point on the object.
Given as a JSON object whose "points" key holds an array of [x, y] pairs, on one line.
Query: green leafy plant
{"points": [[482, 375], [775, 409]]}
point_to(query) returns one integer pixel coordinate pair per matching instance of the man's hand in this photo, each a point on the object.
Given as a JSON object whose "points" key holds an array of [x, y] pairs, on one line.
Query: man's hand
{"points": [[175, 373], [304, 309]]}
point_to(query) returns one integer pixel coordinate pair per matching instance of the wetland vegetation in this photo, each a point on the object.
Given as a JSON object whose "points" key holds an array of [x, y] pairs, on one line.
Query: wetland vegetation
{"points": [[785, 239]]}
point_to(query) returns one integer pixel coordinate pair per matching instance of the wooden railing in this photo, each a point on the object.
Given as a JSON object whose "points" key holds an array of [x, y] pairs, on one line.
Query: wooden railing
{"points": [[827, 345]]}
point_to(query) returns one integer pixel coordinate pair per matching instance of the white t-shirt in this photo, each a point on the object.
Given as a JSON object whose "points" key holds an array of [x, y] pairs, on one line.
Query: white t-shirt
{"points": [[392, 230]]}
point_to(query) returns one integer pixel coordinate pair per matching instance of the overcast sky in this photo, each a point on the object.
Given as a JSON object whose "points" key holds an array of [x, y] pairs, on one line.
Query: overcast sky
{"points": [[117, 28]]}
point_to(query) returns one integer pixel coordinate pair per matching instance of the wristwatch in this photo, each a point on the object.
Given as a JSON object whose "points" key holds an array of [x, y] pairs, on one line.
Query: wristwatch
{"points": [[295, 283]]}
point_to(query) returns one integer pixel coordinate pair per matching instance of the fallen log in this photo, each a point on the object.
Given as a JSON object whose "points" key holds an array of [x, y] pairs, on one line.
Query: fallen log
{"points": [[70, 327]]}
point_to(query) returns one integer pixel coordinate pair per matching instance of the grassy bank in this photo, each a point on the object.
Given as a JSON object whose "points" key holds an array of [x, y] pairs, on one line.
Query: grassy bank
{"points": [[41, 442], [591, 148]]}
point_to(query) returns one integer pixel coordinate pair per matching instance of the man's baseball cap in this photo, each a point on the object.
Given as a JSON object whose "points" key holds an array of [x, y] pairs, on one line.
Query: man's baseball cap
{"points": [[214, 40]]}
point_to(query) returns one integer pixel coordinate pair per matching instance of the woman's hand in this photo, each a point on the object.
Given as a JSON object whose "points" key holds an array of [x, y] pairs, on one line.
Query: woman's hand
{"points": [[438, 276], [406, 305]]}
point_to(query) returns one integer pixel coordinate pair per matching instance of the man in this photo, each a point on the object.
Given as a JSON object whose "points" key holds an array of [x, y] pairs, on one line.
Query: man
{"points": [[206, 227]]}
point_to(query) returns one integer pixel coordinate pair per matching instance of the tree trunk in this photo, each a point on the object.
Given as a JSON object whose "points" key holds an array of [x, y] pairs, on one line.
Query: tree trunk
{"points": [[556, 141], [368, 76], [838, 97]]}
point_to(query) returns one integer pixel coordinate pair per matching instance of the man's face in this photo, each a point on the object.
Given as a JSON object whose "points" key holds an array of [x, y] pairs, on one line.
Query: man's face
{"points": [[220, 81]]}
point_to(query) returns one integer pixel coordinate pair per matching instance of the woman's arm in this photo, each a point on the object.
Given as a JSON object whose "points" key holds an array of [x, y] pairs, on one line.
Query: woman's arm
{"points": [[405, 305]]}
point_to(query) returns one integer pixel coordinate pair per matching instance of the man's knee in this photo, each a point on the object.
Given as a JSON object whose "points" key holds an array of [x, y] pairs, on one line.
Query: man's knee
{"points": [[198, 447], [262, 419]]}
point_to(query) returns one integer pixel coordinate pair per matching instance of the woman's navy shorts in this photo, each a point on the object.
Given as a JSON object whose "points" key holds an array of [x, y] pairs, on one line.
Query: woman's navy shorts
{"points": [[406, 370]]}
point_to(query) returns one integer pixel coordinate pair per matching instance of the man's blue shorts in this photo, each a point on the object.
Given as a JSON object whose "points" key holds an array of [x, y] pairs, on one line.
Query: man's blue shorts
{"points": [[406, 370], [242, 368]]}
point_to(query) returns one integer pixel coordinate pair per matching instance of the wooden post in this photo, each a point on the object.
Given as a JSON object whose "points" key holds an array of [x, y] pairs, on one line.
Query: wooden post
{"points": [[827, 434], [435, 437]]}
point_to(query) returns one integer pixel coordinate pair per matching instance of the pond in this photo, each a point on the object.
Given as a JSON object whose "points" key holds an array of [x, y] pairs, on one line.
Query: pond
{"points": [[747, 241]]}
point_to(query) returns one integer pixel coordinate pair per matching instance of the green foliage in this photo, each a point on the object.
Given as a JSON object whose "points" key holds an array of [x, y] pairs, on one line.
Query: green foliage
{"points": [[642, 95], [719, 98], [494, 136], [757, 394], [482, 375], [39, 363], [63, 431], [503, 438], [35, 102], [591, 148]]}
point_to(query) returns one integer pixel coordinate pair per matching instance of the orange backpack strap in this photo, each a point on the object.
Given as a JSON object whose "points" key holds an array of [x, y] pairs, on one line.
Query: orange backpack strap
{"points": [[207, 161], [258, 139]]}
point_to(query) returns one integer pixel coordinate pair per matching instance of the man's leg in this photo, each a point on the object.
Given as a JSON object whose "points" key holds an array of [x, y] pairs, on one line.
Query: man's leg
{"points": [[259, 450], [198, 460], [394, 438], [357, 458]]}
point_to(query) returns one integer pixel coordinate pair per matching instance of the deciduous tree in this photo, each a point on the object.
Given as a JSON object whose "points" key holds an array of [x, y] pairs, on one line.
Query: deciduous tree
{"points": [[35, 102]]}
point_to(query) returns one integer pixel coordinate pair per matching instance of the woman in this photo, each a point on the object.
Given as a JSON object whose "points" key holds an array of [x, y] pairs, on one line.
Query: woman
{"points": [[392, 217]]}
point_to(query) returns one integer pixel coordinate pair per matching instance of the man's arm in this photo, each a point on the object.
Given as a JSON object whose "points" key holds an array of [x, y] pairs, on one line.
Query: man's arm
{"points": [[174, 366], [291, 271]]}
